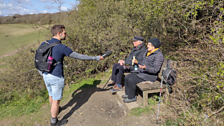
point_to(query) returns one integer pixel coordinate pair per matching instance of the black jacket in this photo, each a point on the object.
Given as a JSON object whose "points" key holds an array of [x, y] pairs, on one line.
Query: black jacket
{"points": [[153, 64], [137, 52]]}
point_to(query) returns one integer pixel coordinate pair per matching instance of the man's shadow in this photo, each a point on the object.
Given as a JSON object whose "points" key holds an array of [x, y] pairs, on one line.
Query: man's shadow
{"points": [[81, 96]]}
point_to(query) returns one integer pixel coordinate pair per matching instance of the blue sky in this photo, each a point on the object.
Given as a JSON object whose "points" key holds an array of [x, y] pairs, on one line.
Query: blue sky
{"points": [[11, 7]]}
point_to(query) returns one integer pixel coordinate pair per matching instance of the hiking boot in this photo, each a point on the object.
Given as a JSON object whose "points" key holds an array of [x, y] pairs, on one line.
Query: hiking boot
{"points": [[60, 123], [124, 96], [116, 88], [127, 100], [111, 85]]}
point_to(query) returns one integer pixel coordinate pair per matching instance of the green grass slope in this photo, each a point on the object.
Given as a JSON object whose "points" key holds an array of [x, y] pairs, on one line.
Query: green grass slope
{"points": [[13, 36]]}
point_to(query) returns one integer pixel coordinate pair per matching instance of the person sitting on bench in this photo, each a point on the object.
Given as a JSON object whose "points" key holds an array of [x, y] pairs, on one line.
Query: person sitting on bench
{"points": [[125, 65], [148, 70]]}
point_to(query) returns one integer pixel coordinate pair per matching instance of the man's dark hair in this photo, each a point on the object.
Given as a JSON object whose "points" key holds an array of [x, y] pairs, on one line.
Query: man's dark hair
{"points": [[57, 28]]}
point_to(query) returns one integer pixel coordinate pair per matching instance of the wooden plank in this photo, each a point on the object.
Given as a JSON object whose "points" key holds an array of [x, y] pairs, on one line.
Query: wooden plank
{"points": [[147, 86], [125, 74], [155, 91]]}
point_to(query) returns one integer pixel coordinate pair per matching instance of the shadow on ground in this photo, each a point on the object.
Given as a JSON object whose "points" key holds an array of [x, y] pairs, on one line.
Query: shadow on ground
{"points": [[81, 96]]}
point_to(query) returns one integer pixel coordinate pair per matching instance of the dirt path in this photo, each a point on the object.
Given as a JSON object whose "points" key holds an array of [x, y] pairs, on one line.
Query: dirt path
{"points": [[94, 107], [89, 107]]}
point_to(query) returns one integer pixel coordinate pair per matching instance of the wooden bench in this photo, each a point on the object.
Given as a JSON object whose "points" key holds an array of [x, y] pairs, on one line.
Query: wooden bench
{"points": [[147, 88]]}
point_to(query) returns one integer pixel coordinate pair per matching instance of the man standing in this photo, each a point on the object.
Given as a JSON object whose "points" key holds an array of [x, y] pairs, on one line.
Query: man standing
{"points": [[126, 64], [54, 80]]}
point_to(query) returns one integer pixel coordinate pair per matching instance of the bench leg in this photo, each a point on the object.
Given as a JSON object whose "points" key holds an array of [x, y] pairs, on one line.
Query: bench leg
{"points": [[145, 99]]}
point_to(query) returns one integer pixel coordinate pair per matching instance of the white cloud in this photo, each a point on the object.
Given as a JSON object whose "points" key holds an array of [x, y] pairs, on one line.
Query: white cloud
{"points": [[53, 1], [23, 1], [13, 8], [5, 6], [74, 4], [46, 1], [50, 6], [18, 10], [45, 11], [64, 9]]}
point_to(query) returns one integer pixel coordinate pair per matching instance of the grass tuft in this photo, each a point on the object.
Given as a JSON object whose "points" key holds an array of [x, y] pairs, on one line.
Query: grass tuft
{"points": [[139, 111]]}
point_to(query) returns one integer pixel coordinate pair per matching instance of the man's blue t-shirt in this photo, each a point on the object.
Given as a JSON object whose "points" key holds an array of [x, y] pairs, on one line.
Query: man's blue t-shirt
{"points": [[58, 53]]}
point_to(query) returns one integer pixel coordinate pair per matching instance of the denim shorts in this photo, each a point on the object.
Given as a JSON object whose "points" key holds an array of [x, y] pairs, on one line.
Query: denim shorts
{"points": [[55, 85]]}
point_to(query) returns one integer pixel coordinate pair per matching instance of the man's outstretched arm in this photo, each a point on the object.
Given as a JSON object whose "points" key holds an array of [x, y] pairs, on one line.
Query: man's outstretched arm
{"points": [[84, 57]]}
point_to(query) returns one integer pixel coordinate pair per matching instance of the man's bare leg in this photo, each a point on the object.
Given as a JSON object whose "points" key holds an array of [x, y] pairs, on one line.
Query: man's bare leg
{"points": [[54, 108], [50, 100]]}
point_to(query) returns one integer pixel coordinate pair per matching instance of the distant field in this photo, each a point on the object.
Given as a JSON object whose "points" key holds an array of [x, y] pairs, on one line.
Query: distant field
{"points": [[13, 36]]}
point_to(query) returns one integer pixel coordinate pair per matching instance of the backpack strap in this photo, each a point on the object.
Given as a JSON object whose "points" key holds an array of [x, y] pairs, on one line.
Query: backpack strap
{"points": [[169, 89], [168, 63], [57, 62], [168, 66], [54, 44], [166, 78]]}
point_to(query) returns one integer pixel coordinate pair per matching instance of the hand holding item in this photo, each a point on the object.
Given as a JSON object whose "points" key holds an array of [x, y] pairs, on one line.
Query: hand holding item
{"points": [[107, 53], [133, 61], [121, 62], [142, 67], [101, 57], [126, 67]]}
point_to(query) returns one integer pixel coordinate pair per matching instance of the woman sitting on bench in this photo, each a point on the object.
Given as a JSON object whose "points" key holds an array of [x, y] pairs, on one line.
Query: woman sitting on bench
{"points": [[148, 70]]}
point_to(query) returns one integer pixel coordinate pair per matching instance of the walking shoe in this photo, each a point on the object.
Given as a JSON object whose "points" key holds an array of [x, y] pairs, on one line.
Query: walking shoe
{"points": [[111, 85], [60, 123], [124, 96], [127, 100], [116, 88]]}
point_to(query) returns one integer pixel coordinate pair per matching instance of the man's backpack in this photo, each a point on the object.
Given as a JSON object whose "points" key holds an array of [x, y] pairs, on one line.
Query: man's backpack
{"points": [[169, 76], [43, 58]]}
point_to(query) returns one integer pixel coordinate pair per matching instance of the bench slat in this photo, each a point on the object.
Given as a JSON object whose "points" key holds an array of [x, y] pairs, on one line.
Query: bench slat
{"points": [[147, 86]]}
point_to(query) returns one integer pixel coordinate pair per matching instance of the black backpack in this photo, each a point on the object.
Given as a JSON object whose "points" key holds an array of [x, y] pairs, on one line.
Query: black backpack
{"points": [[169, 76], [43, 58]]}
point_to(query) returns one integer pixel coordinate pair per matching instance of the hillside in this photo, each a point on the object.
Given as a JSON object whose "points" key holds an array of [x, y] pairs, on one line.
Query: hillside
{"points": [[15, 36]]}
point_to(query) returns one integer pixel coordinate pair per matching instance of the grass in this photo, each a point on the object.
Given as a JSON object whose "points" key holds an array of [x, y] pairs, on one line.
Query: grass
{"points": [[3, 64], [26, 107], [152, 101], [13, 36], [170, 122], [139, 111], [23, 106]]}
